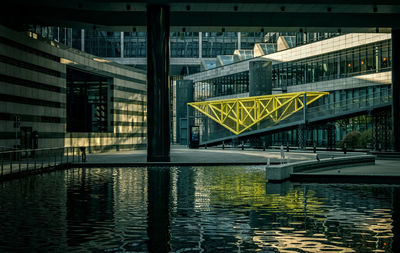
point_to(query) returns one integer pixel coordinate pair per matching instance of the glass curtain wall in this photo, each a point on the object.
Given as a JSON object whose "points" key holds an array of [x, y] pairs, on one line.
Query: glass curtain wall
{"points": [[248, 39], [103, 44], [218, 43], [184, 44], [222, 86], [375, 57], [135, 44]]}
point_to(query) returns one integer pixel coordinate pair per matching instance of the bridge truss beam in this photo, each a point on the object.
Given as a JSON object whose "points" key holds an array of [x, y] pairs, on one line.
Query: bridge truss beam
{"points": [[239, 114]]}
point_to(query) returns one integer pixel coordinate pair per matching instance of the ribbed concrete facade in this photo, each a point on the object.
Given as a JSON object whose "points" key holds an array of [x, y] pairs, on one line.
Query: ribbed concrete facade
{"points": [[33, 77]]}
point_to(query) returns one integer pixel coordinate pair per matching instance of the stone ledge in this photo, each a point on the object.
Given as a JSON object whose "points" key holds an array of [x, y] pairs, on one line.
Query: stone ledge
{"points": [[283, 172], [386, 155]]}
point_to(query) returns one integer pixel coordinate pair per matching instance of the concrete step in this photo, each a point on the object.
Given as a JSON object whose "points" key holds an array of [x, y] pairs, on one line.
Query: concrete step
{"points": [[386, 155]]}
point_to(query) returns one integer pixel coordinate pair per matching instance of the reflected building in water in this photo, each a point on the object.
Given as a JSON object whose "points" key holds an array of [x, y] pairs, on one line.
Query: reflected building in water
{"points": [[179, 209]]}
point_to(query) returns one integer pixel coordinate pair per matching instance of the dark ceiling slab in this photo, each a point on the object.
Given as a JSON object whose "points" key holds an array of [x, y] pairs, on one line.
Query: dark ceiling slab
{"points": [[207, 15]]}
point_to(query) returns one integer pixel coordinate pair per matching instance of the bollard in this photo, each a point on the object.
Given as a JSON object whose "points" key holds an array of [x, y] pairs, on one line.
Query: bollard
{"points": [[42, 158], [83, 154], [83, 149], [19, 158], [11, 162]]}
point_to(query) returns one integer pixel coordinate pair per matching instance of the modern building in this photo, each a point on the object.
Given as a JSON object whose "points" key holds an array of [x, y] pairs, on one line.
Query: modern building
{"points": [[354, 68], [349, 66], [55, 96], [190, 52]]}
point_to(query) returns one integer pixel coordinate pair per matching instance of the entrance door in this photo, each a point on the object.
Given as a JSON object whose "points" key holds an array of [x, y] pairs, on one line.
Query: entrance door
{"points": [[26, 140]]}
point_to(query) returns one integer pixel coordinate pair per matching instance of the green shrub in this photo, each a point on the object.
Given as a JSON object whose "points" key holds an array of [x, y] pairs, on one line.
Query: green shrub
{"points": [[366, 139], [352, 140]]}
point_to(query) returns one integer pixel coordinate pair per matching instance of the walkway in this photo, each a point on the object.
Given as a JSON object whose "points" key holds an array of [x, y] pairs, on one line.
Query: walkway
{"points": [[381, 167], [315, 115], [181, 155], [383, 171]]}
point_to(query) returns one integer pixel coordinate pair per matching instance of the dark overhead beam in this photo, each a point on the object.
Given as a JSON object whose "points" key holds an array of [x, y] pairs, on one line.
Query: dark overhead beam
{"points": [[285, 19], [198, 21]]}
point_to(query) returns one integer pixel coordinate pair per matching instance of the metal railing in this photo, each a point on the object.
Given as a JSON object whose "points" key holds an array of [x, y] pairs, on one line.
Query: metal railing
{"points": [[210, 131], [31, 160]]}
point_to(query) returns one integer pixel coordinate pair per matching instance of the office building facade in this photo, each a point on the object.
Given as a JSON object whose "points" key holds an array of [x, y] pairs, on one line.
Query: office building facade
{"points": [[354, 68], [56, 96]]}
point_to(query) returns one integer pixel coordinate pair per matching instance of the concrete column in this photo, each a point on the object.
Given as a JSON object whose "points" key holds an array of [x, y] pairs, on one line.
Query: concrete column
{"points": [[396, 90], [301, 130], [200, 45], [70, 37], [110, 105], [158, 127], [305, 109], [377, 60], [82, 40], [122, 44], [239, 40], [65, 36], [184, 95], [260, 78]]}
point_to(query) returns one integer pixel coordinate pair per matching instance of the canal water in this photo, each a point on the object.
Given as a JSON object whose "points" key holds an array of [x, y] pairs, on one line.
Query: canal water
{"points": [[193, 209]]}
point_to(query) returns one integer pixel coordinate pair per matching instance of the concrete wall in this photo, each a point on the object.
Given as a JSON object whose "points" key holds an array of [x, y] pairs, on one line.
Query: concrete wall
{"points": [[381, 78], [327, 46], [33, 86]]}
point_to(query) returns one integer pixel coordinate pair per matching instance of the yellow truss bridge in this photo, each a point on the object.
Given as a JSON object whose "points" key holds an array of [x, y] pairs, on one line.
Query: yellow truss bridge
{"points": [[239, 114]]}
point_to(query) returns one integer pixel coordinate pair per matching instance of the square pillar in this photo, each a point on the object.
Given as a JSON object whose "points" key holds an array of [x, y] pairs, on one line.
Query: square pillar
{"points": [[184, 95], [158, 100], [396, 90], [260, 78]]}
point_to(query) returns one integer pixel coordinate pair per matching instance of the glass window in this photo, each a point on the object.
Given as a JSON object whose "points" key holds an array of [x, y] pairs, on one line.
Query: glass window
{"points": [[356, 61], [363, 59]]}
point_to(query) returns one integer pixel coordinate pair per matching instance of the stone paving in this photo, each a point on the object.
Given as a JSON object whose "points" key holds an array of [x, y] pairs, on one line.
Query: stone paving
{"points": [[228, 156], [381, 167], [181, 154]]}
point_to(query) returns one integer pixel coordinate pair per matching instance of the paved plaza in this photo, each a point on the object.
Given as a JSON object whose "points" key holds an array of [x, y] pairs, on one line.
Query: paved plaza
{"points": [[181, 154], [232, 156]]}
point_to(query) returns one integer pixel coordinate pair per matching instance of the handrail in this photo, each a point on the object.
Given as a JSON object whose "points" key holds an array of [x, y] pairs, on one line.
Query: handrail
{"points": [[37, 149], [316, 112], [27, 161]]}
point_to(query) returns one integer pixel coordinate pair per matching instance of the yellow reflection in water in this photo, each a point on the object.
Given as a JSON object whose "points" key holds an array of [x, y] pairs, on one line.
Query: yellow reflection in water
{"points": [[247, 188]]}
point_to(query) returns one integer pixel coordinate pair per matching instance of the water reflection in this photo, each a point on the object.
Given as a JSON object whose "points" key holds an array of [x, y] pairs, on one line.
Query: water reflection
{"points": [[193, 209]]}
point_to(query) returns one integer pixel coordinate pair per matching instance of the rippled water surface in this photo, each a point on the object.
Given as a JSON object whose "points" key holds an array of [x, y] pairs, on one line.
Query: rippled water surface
{"points": [[210, 209]]}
